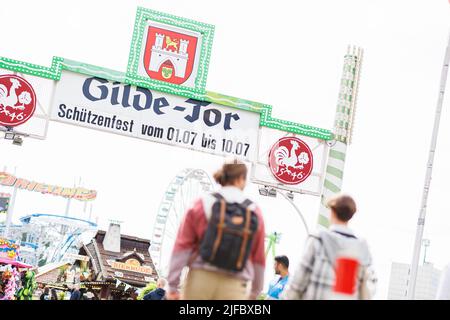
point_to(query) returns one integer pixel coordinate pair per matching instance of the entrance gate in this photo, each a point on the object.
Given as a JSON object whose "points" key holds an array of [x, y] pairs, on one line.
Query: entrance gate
{"points": [[162, 97]]}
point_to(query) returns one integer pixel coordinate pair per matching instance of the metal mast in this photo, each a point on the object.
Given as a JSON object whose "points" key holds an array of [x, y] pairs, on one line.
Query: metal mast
{"points": [[426, 187]]}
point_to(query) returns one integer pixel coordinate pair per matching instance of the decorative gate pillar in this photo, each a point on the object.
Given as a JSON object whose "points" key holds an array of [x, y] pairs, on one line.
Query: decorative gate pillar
{"points": [[343, 125]]}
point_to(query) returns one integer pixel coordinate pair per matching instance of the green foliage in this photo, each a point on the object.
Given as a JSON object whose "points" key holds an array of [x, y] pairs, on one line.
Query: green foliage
{"points": [[61, 295], [29, 285], [262, 296], [150, 287]]}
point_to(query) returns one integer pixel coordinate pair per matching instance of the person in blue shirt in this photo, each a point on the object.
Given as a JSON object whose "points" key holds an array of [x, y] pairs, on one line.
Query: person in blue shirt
{"points": [[277, 286], [159, 293]]}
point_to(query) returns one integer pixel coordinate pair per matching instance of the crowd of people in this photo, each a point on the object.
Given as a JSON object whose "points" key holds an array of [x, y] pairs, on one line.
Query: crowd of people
{"points": [[221, 242], [75, 293]]}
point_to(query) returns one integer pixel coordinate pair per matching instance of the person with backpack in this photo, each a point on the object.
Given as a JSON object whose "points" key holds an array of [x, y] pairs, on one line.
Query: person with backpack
{"points": [[221, 241], [315, 277]]}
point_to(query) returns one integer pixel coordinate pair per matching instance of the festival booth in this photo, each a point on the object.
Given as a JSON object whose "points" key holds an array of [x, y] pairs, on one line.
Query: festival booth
{"points": [[12, 270], [61, 276], [119, 265]]}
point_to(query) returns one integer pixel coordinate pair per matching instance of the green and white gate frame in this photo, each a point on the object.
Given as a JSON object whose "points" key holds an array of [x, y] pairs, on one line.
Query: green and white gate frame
{"points": [[338, 139], [343, 131]]}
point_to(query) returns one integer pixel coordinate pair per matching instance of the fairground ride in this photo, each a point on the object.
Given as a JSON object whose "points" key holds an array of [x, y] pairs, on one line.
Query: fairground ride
{"points": [[187, 186], [53, 236]]}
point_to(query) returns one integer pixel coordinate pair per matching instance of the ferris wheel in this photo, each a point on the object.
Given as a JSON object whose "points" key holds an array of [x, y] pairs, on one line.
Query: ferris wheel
{"points": [[188, 185]]}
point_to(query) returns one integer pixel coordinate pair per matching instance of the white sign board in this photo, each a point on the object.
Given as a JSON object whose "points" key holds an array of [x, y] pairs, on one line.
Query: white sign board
{"points": [[262, 175], [151, 115], [76, 257], [37, 125]]}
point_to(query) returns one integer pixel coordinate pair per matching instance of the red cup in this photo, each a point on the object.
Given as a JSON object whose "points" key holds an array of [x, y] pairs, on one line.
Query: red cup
{"points": [[346, 274]]}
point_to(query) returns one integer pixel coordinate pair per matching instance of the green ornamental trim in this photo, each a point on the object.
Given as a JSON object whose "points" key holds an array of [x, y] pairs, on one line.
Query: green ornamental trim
{"points": [[207, 31], [265, 110], [198, 92]]}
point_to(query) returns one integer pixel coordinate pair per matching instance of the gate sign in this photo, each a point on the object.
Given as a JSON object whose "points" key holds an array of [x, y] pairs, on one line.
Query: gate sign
{"points": [[291, 160], [161, 97], [152, 115], [17, 100]]}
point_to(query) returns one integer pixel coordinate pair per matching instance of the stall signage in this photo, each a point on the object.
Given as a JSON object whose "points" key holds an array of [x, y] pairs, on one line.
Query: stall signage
{"points": [[80, 194], [8, 249], [291, 160], [152, 115], [130, 267], [76, 257]]}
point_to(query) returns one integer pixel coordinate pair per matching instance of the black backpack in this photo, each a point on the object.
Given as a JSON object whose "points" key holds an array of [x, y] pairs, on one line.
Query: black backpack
{"points": [[229, 236]]}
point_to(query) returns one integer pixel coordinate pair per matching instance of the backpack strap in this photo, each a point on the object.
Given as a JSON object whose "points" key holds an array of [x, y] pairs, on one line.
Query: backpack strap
{"points": [[345, 234], [319, 238], [247, 203], [196, 252], [246, 235], [220, 227], [218, 196]]}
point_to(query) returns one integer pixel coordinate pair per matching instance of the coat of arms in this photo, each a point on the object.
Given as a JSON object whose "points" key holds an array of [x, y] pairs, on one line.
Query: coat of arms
{"points": [[169, 56]]}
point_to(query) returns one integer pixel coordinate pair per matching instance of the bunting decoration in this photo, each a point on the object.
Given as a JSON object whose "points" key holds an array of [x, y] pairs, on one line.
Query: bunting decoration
{"points": [[127, 286]]}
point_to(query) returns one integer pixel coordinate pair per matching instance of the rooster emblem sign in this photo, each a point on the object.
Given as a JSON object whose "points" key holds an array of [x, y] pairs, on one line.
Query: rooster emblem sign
{"points": [[291, 160], [17, 100]]}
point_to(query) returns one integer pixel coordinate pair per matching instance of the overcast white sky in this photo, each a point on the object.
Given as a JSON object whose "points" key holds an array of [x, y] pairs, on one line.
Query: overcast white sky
{"points": [[286, 53]]}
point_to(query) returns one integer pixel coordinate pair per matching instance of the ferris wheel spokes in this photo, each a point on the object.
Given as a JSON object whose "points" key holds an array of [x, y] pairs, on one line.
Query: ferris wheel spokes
{"points": [[187, 185]]}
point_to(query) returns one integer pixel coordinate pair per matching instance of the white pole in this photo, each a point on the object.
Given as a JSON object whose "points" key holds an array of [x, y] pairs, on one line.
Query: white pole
{"points": [[5, 169], [69, 199], [426, 187], [10, 211], [67, 208], [296, 209]]}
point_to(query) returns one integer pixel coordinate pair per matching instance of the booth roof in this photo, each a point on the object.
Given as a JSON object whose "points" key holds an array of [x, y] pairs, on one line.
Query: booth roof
{"points": [[129, 246], [15, 263]]}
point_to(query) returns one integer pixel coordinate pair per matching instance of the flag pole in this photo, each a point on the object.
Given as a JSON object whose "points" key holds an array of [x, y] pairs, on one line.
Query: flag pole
{"points": [[426, 188]]}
